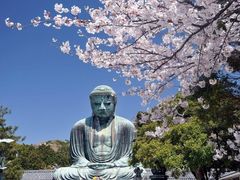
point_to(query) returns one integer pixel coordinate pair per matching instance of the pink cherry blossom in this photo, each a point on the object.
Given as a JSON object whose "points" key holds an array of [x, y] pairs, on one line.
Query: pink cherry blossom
{"points": [[9, 23], [36, 21], [58, 8], [65, 47], [75, 10], [47, 15], [19, 26]]}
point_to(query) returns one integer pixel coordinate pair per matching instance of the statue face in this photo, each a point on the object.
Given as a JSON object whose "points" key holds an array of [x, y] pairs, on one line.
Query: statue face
{"points": [[103, 105]]}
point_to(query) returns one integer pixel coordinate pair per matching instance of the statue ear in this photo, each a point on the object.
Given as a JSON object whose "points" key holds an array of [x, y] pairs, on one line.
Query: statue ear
{"points": [[115, 99]]}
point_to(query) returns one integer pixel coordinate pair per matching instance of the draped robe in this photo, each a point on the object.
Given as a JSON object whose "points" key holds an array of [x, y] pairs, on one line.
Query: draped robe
{"points": [[83, 152]]}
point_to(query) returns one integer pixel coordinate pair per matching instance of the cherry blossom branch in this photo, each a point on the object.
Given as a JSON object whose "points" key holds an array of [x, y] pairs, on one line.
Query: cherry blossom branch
{"points": [[224, 41], [201, 27]]}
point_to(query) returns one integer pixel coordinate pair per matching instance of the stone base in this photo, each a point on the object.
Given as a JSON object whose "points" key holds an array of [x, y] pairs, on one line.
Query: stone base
{"points": [[158, 177]]}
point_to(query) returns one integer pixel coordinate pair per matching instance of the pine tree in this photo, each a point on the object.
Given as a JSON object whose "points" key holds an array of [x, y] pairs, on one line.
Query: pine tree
{"points": [[9, 150]]}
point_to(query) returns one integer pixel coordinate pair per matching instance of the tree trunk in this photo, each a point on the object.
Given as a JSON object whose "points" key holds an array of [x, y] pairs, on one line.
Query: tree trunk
{"points": [[199, 174]]}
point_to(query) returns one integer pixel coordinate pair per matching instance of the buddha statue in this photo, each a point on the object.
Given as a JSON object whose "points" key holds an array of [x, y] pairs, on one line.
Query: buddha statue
{"points": [[100, 145]]}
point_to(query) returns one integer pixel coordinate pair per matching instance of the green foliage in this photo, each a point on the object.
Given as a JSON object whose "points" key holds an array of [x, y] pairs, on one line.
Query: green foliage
{"points": [[185, 145], [191, 141], [5, 130], [29, 157], [62, 155], [44, 156], [14, 170], [144, 145]]}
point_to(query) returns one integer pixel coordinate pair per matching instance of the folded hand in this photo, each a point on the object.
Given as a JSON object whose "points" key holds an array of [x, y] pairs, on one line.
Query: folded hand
{"points": [[100, 166]]}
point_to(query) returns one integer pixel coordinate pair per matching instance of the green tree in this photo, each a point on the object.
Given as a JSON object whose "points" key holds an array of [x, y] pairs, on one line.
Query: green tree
{"points": [[62, 154], [44, 156], [30, 158], [14, 170], [184, 147]]}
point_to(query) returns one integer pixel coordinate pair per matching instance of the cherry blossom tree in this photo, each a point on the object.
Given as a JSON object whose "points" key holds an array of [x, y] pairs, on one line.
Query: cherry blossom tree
{"points": [[182, 135], [159, 42]]}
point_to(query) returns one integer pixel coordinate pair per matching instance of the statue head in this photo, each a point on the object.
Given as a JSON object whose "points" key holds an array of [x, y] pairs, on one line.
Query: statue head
{"points": [[103, 101]]}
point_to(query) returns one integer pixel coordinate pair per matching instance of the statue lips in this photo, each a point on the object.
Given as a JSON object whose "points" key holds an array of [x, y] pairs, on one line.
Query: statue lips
{"points": [[103, 113]]}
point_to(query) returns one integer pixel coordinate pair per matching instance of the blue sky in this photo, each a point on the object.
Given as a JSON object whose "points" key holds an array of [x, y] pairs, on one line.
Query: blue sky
{"points": [[46, 90]]}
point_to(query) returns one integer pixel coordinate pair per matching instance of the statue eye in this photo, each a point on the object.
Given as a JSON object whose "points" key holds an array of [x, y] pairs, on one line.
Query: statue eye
{"points": [[107, 104], [97, 104]]}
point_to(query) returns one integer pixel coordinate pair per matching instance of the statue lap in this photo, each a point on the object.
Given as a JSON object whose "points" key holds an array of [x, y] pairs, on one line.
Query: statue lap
{"points": [[124, 132], [85, 173]]}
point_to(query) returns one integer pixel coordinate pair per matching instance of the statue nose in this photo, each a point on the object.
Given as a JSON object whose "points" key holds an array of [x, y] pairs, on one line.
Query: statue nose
{"points": [[102, 107]]}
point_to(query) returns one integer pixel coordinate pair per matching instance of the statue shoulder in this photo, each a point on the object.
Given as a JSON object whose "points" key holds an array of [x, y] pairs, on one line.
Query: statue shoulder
{"points": [[81, 123], [124, 121]]}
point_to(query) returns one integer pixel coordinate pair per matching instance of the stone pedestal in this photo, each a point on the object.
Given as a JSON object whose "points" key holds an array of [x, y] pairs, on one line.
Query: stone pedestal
{"points": [[159, 174], [159, 177], [1, 174]]}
